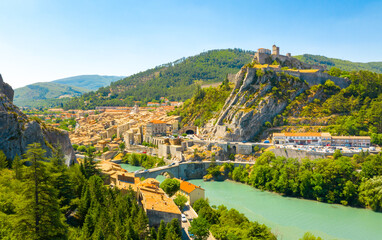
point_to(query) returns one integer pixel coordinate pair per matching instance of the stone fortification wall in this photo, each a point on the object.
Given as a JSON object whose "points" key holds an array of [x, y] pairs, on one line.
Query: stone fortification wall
{"points": [[292, 153], [320, 78]]}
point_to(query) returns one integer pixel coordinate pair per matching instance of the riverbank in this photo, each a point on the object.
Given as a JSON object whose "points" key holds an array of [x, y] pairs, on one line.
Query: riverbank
{"points": [[289, 217]]}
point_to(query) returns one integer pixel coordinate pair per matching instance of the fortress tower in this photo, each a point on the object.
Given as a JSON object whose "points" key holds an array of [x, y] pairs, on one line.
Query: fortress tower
{"points": [[275, 50]]}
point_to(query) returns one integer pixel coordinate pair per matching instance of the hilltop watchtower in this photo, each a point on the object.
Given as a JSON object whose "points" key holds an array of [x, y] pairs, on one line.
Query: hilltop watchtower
{"points": [[275, 50]]}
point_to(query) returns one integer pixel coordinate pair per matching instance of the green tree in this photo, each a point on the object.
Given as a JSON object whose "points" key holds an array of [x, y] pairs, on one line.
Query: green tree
{"points": [[337, 154], [3, 160], [199, 204], [173, 230], [161, 235], [17, 166], [371, 193], [170, 186], [60, 178], [81, 148], [39, 216], [122, 146], [89, 167], [200, 228], [180, 200], [310, 236]]}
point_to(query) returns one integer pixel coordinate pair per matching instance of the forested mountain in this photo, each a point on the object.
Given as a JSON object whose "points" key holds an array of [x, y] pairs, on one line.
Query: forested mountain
{"points": [[32, 95], [55, 93], [91, 82], [341, 64], [176, 80]]}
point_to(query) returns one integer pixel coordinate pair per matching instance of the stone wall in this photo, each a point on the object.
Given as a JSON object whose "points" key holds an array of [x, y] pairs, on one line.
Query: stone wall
{"points": [[299, 154], [155, 217]]}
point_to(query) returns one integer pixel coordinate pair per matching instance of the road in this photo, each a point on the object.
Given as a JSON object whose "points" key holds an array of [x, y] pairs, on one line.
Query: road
{"points": [[190, 214]]}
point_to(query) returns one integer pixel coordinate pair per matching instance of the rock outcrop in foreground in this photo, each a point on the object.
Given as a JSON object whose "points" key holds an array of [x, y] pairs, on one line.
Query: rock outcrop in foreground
{"points": [[17, 130]]}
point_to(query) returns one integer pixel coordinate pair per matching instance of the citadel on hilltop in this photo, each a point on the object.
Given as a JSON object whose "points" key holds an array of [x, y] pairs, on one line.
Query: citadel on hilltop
{"points": [[264, 56]]}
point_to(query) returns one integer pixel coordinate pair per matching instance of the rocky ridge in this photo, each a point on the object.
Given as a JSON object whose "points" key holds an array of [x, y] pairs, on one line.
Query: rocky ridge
{"points": [[17, 130], [259, 95]]}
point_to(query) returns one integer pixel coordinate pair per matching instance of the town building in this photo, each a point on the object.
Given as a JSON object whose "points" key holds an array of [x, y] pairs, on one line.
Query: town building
{"points": [[306, 138], [351, 141], [191, 191], [156, 127], [156, 204], [320, 139]]}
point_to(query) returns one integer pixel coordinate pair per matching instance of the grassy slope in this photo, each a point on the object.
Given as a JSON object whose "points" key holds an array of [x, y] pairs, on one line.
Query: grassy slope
{"points": [[341, 64], [91, 82]]}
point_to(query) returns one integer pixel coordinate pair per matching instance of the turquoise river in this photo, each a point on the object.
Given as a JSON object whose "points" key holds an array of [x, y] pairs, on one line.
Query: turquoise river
{"points": [[290, 218]]}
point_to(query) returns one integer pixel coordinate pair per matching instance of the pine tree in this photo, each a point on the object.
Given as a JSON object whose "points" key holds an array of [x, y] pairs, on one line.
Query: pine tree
{"points": [[161, 231], [174, 231], [84, 205], [3, 160], [61, 179], [17, 166], [89, 165], [39, 216]]}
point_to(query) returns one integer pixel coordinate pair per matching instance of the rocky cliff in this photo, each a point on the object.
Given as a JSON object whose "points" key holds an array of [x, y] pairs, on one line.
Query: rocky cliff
{"points": [[259, 95], [17, 130], [6, 89]]}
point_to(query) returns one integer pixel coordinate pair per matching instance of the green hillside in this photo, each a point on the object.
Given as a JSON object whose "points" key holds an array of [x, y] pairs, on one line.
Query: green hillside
{"points": [[341, 64], [176, 80], [35, 94], [92, 82]]}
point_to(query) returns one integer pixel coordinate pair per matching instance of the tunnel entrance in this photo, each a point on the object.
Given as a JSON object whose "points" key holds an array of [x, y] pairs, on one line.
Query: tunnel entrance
{"points": [[190, 132]]}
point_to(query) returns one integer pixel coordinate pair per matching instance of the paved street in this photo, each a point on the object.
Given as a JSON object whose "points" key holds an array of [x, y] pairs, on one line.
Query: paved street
{"points": [[190, 214]]}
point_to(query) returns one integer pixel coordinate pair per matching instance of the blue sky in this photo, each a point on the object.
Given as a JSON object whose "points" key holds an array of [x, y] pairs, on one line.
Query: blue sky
{"points": [[43, 40]]}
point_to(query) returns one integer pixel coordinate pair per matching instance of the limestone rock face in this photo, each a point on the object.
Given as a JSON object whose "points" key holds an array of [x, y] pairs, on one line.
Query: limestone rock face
{"points": [[17, 130], [259, 95], [6, 89]]}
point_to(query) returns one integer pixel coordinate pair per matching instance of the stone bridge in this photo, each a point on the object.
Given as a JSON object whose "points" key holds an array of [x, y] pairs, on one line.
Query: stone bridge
{"points": [[193, 170]]}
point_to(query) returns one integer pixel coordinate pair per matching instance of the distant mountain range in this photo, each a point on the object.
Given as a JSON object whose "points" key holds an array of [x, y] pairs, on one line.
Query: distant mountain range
{"points": [[58, 91], [339, 63], [91, 82]]}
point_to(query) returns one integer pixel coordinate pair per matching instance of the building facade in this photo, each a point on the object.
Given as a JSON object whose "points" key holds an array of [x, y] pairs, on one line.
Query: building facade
{"points": [[156, 127], [320, 139], [351, 141], [191, 191]]}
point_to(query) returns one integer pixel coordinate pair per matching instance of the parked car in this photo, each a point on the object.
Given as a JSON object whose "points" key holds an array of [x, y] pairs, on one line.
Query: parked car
{"points": [[184, 219], [267, 141]]}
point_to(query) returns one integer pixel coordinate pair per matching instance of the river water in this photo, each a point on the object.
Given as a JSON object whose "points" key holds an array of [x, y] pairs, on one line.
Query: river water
{"points": [[290, 218], [130, 168]]}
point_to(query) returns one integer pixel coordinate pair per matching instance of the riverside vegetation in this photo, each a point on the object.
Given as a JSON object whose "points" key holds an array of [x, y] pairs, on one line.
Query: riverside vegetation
{"points": [[355, 181], [225, 224]]}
